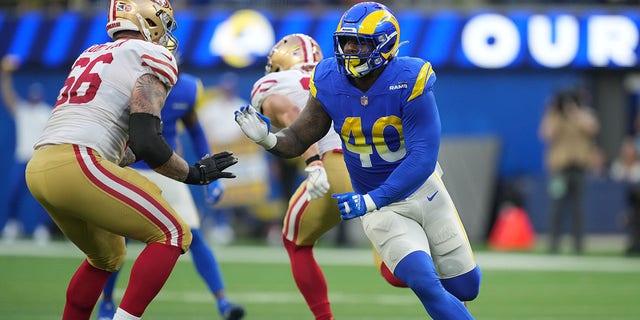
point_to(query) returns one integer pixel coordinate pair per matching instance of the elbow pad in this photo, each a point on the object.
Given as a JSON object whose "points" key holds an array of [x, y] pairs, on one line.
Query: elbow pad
{"points": [[146, 140]]}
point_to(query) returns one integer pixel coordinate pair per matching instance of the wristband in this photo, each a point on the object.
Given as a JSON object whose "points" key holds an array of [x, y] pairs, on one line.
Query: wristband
{"points": [[269, 142], [312, 159], [369, 203], [194, 176]]}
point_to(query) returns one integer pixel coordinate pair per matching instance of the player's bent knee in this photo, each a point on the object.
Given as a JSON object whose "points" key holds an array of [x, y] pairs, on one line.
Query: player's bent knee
{"points": [[417, 271], [288, 245], [184, 236], [179, 235], [187, 237], [292, 248], [465, 287], [390, 278], [426, 286], [110, 264]]}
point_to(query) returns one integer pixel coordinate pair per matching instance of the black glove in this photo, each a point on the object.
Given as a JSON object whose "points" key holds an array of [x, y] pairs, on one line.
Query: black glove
{"points": [[210, 168]]}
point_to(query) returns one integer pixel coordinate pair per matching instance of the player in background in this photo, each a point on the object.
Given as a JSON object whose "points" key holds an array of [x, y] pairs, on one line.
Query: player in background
{"points": [[106, 117], [384, 109], [180, 107], [30, 116], [280, 95]]}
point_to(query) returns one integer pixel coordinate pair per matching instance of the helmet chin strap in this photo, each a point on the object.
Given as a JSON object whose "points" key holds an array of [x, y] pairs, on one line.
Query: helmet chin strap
{"points": [[358, 71]]}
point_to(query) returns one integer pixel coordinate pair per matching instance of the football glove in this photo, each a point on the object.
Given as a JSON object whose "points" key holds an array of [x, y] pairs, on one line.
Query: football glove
{"points": [[317, 181], [255, 126], [210, 168], [353, 205]]}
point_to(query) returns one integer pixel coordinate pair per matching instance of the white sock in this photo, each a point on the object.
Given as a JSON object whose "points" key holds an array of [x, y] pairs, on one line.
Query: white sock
{"points": [[123, 315]]}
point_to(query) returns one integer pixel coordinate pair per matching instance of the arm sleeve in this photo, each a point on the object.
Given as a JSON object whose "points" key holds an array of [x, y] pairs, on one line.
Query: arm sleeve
{"points": [[421, 123], [196, 133], [198, 139]]}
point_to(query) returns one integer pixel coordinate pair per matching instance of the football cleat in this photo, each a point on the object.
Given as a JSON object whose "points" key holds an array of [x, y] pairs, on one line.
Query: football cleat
{"points": [[153, 18], [294, 51], [373, 30], [233, 312]]}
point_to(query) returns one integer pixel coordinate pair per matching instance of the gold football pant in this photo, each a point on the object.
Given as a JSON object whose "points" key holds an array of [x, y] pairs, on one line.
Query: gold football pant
{"points": [[96, 203], [306, 221]]}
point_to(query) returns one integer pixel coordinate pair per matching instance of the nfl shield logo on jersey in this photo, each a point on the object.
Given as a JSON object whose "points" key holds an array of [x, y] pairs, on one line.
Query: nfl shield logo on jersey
{"points": [[364, 101]]}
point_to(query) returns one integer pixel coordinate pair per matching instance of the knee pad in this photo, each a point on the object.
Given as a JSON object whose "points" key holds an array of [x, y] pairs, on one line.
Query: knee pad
{"points": [[111, 263], [111, 266], [466, 286]]}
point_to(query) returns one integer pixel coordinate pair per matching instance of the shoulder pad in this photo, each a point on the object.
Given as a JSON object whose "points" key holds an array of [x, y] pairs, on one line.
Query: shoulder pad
{"points": [[159, 61], [275, 83], [425, 79]]}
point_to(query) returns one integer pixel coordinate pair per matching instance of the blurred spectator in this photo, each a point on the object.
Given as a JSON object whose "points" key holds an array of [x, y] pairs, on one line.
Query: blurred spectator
{"points": [[626, 169], [20, 212], [216, 117], [568, 129], [259, 195]]}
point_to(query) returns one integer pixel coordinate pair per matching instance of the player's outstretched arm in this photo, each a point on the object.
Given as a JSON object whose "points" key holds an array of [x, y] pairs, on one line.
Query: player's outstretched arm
{"points": [[148, 144], [310, 126], [255, 126]]}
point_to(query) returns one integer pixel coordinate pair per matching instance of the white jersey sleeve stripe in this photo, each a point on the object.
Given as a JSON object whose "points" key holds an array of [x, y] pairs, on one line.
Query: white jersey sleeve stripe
{"points": [[261, 87], [162, 68], [165, 77]]}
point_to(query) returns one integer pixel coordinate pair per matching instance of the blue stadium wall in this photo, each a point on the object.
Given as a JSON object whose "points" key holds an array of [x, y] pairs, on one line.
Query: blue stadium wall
{"points": [[494, 68]]}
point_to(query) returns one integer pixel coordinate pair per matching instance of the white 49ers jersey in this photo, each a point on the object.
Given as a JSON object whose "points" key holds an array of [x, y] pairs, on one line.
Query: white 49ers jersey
{"points": [[294, 84], [92, 108]]}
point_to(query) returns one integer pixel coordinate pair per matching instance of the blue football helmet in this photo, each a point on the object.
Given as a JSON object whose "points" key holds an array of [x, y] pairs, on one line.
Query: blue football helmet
{"points": [[373, 29]]}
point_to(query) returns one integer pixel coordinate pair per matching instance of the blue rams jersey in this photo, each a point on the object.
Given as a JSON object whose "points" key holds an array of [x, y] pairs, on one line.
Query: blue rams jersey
{"points": [[391, 133], [181, 100]]}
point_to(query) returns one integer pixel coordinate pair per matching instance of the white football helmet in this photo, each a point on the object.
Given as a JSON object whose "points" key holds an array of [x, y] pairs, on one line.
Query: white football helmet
{"points": [[153, 18], [294, 51]]}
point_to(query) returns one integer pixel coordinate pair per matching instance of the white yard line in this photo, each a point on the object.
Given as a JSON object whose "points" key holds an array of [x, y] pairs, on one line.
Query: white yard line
{"points": [[357, 256], [403, 297]]}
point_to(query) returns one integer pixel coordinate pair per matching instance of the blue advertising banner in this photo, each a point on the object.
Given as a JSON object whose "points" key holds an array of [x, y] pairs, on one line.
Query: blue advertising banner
{"points": [[484, 39]]}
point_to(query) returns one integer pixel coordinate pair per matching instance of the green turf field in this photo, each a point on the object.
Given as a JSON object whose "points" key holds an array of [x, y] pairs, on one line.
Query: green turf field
{"points": [[515, 286]]}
